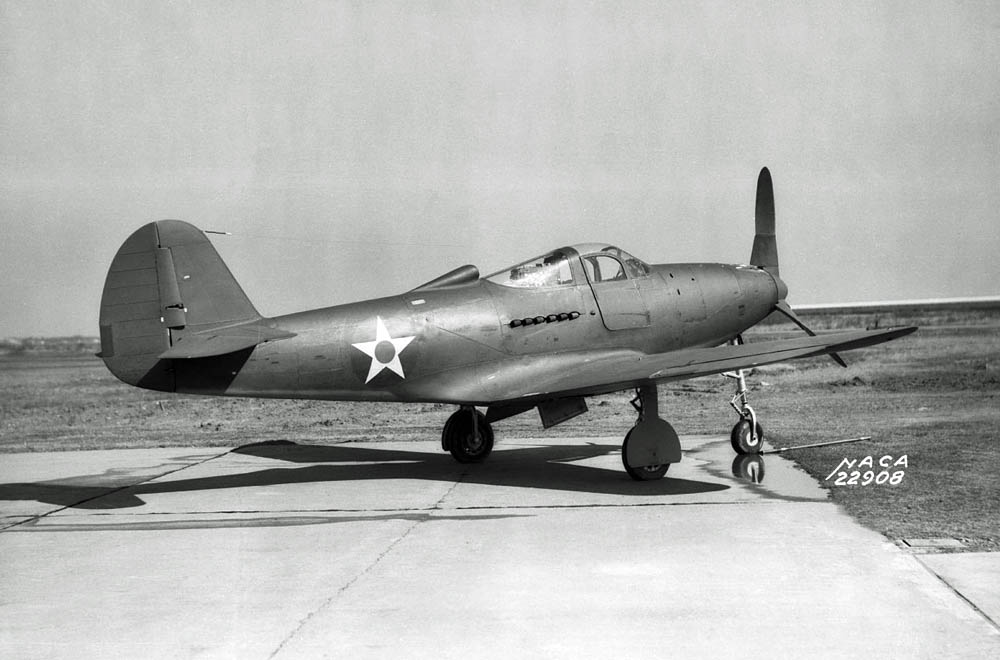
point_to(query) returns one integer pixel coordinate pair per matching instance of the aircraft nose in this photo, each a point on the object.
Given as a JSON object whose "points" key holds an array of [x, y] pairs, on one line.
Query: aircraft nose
{"points": [[782, 287], [761, 287]]}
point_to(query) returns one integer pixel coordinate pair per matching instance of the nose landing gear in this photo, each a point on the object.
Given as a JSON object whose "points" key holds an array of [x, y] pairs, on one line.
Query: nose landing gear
{"points": [[747, 436]]}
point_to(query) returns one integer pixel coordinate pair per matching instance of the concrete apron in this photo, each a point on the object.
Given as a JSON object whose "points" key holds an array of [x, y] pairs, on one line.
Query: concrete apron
{"points": [[367, 550]]}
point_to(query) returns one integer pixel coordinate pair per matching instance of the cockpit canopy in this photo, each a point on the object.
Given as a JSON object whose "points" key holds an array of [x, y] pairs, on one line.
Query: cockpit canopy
{"points": [[548, 270], [598, 262]]}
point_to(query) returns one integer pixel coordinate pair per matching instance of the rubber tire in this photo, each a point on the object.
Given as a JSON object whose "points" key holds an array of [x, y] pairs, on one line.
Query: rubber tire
{"points": [[648, 473], [739, 437], [460, 440]]}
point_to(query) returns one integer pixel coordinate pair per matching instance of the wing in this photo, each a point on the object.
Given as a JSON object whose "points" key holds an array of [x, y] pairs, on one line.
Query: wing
{"points": [[599, 372]]}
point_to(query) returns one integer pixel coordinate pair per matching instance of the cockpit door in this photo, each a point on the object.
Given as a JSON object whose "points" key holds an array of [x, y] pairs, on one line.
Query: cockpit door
{"points": [[617, 295]]}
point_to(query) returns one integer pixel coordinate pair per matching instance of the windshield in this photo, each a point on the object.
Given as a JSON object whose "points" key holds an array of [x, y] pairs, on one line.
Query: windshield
{"points": [[550, 269]]}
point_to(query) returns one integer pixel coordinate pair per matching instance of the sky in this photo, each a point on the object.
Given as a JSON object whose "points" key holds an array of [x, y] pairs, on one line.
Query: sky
{"points": [[359, 149]]}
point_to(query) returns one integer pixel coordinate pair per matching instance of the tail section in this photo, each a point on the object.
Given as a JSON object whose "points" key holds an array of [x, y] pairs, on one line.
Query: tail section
{"points": [[765, 246], [210, 293], [166, 286]]}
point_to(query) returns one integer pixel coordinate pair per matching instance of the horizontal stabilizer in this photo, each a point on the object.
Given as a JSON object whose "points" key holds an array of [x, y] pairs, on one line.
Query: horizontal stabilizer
{"points": [[220, 341]]}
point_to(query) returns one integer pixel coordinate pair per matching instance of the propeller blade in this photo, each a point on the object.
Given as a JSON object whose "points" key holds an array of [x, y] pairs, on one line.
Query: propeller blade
{"points": [[783, 307], [765, 247]]}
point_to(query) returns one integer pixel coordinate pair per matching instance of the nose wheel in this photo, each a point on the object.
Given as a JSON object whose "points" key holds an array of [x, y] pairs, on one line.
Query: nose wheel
{"points": [[747, 436]]}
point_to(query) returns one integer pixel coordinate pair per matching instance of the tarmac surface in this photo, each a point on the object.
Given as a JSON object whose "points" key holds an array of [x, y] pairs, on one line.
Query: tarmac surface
{"points": [[395, 550]]}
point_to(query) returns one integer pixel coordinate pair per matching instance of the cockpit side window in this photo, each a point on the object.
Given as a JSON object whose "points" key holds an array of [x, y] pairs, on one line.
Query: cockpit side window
{"points": [[548, 270], [603, 268], [635, 267]]}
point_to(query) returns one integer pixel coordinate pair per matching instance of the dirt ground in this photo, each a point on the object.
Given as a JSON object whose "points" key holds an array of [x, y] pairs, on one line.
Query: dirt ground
{"points": [[932, 397]]}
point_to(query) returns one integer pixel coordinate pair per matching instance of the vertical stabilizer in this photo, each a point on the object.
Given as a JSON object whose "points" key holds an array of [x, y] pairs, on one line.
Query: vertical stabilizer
{"points": [[166, 282], [765, 246]]}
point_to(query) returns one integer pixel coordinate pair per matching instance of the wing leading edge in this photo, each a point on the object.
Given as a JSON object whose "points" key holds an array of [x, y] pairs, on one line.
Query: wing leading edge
{"points": [[570, 374]]}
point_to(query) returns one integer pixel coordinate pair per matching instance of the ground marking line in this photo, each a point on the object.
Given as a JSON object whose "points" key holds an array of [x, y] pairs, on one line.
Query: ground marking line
{"points": [[957, 593], [350, 583], [119, 489], [478, 507]]}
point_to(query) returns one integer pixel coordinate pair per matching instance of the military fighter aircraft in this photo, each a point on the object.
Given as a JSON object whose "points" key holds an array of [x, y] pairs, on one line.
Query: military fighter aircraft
{"points": [[545, 333]]}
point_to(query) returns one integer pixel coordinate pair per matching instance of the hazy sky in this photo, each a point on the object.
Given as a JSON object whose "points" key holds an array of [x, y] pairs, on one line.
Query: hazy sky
{"points": [[359, 149]]}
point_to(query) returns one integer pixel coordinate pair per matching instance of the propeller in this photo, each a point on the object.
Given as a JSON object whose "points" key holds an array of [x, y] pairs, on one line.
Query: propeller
{"points": [[765, 250], [783, 307]]}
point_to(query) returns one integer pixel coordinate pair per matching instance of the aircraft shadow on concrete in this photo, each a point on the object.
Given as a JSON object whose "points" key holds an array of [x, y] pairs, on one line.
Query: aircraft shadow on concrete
{"points": [[537, 467]]}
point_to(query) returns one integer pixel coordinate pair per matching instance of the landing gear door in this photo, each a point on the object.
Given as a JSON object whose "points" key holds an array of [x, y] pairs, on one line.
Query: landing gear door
{"points": [[618, 296]]}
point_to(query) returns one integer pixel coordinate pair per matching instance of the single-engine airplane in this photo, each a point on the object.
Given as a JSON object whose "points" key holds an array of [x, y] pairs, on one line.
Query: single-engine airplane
{"points": [[545, 333]]}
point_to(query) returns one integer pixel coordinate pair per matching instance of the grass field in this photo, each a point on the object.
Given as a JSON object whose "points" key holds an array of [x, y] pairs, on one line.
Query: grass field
{"points": [[933, 396]]}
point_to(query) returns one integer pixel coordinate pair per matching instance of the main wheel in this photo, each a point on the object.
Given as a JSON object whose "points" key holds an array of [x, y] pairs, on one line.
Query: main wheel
{"points": [[468, 436], [743, 441], [646, 472]]}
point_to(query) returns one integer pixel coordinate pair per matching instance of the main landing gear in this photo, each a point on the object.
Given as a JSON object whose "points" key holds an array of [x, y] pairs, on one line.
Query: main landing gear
{"points": [[468, 436], [647, 451], [652, 444]]}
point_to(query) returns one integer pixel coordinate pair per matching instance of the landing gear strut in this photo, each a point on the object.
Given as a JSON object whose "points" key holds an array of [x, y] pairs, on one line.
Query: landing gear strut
{"points": [[652, 444], [747, 436], [468, 436]]}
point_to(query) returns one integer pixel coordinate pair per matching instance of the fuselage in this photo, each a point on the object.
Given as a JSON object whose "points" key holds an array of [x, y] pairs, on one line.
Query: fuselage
{"points": [[448, 343]]}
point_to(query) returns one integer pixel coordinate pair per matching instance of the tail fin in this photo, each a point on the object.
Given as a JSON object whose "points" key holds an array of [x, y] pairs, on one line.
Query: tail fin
{"points": [[166, 284], [765, 246]]}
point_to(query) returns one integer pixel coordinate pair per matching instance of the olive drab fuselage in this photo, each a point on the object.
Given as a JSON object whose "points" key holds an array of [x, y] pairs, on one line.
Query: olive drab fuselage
{"points": [[457, 337]]}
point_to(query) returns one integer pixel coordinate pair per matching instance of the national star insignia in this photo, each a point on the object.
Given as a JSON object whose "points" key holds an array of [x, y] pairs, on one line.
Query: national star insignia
{"points": [[384, 351]]}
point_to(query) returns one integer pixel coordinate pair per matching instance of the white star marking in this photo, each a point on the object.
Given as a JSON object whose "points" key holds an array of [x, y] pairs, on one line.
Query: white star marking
{"points": [[369, 348]]}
